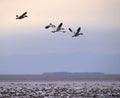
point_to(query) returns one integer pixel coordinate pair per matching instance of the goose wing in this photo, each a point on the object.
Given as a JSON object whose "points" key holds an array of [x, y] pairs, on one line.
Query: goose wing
{"points": [[60, 25], [46, 27], [78, 30], [24, 14], [70, 29]]}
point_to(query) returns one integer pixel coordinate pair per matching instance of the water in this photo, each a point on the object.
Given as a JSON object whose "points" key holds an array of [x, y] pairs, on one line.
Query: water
{"points": [[35, 86], [53, 77]]}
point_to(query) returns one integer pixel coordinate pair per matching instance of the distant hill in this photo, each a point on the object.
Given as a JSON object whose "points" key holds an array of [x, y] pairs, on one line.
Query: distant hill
{"points": [[73, 73]]}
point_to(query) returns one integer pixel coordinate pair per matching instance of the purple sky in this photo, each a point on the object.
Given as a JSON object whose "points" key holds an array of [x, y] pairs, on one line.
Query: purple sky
{"points": [[27, 48]]}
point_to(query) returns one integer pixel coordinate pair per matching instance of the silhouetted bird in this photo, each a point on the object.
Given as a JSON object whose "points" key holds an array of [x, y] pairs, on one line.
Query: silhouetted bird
{"points": [[77, 33], [50, 25], [59, 28], [22, 16]]}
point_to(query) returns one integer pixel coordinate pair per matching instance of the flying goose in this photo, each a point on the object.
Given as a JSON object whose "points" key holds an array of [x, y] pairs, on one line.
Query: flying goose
{"points": [[77, 33], [22, 16], [59, 28], [50, 25]]}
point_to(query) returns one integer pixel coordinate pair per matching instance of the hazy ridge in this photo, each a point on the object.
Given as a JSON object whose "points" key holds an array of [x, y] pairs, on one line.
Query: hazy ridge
{"points": [[73, 73]]}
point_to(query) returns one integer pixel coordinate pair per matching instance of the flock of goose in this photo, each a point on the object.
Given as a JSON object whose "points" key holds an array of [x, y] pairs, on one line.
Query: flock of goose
{"points": [[60, 90], [58, 28]]}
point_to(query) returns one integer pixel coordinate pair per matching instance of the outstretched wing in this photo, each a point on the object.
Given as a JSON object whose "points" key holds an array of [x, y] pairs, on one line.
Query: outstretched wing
{"points": [[78, 30], [46, 27], [24, 14], [70, 29], [60, 25]]}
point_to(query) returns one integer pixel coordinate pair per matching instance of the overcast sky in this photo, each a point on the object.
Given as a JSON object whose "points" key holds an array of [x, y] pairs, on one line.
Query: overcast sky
{"points": [[26, 47]]}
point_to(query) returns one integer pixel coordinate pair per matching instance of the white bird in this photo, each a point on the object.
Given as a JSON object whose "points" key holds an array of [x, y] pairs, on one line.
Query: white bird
{"points": [[50, 25], [22, 16], [59, 28], [77, 33]]}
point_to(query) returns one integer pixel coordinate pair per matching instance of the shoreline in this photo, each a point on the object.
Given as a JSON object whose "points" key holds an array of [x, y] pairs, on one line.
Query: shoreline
{"points": [[43, 78]]}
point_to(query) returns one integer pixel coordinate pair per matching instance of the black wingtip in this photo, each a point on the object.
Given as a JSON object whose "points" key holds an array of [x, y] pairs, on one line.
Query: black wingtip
{"points": [[61, 24], [78, 30], [46, 27], [70, 29]]}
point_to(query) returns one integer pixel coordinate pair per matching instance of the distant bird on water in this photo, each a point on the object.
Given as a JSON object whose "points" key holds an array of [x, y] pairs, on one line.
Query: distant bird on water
{"points": [[77, 33], [22, 16]]}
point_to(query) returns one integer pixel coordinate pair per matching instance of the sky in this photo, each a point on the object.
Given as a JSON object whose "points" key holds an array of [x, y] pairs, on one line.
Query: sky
{"points": [[26, 47]]}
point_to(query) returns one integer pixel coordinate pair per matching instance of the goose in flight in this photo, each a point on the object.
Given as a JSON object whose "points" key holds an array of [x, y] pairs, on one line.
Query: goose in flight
{"points": [[77, 33], [59, 28], [50, 25], [22, 16]]}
